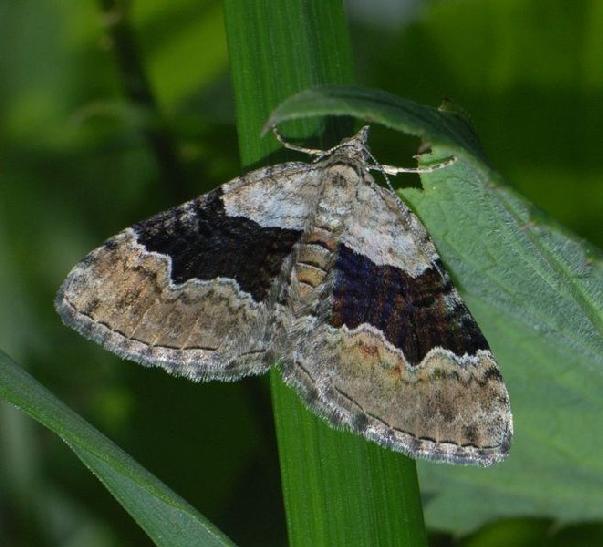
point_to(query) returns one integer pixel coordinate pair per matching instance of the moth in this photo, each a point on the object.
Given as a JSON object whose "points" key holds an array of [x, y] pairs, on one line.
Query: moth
{"points": [[316, 268]]}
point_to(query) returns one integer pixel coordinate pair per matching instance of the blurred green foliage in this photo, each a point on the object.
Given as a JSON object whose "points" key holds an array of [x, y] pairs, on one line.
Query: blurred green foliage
{"points": [[76, 167]]}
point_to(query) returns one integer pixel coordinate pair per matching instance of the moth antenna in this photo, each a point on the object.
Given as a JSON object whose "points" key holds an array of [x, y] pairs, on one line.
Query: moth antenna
{"points": [[381, 168]]}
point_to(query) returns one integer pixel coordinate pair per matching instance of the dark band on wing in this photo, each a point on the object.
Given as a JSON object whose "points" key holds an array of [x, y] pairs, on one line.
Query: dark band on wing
{"points": [[205, 243], [413, 313]]}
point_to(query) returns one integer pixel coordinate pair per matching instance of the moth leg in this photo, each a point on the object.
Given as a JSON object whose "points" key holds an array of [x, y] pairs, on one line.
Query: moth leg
{"points": [[317, 152], [297, 148], [393, 170]]}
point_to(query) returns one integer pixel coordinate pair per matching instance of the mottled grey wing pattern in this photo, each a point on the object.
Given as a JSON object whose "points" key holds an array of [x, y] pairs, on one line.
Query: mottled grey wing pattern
{"points": [[193, 289], [396, 355], [317, 267]]}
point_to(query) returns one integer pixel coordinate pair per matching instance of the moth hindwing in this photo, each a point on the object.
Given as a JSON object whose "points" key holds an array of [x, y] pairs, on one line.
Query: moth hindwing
{"points": [[319, 268]]}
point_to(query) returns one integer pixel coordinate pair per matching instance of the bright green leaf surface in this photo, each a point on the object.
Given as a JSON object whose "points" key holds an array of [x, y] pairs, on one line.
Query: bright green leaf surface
{"points": [[537, 294], [168, 519]]}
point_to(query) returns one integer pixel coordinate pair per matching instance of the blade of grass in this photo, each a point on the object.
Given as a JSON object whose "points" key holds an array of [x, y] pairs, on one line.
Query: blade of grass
{"points": [[338, 488], [167, 518]]}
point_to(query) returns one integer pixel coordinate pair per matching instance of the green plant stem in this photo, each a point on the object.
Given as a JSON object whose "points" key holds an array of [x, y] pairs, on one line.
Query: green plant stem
{"points": [[338, 488], [138, 90]]}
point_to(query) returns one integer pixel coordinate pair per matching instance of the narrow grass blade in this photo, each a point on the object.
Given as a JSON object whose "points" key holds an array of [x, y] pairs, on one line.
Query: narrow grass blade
{"points": [[339, 489], [168, 519]]}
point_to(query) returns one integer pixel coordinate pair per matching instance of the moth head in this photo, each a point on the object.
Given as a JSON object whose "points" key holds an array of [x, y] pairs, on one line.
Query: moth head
{"points": [[355, 147]]}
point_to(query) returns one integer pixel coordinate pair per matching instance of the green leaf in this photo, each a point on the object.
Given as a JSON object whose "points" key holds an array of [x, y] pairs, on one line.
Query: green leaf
{"points": [[166, 518], [536, 293], [375, 106], [338, 488]]}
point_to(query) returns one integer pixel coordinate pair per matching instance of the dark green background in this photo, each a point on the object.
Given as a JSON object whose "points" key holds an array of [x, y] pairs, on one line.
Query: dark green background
{"points": [[76, 166]]}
